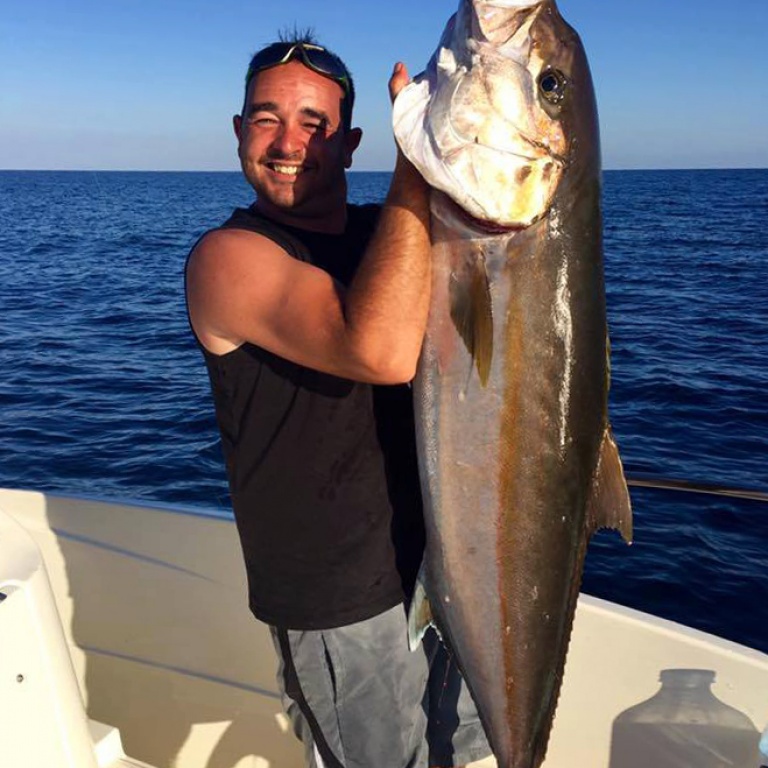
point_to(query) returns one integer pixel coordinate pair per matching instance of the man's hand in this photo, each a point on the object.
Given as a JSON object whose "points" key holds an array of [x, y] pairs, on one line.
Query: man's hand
{"points": [[399, 79]]}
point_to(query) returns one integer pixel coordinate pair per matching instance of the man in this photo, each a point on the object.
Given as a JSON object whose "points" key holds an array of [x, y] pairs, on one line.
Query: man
{"points": [[308, 311]]}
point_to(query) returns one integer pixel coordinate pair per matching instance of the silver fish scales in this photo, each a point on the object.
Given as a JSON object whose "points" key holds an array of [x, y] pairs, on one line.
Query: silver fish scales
{"points": [[517, 459]]}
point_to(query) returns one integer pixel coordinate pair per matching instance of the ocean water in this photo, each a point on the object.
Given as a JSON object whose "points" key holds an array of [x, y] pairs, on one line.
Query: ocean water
{"points": [[104, 393]]}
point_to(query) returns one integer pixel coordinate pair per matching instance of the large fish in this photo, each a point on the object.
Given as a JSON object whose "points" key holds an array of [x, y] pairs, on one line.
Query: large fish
{"points": [[517, 459]]}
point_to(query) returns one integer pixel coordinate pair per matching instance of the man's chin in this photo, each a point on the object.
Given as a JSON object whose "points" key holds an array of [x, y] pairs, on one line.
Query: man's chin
{"points": [[285, 195], [297, 199]]}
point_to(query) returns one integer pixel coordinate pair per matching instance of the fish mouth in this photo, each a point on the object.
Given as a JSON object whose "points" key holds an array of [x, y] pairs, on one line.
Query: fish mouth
{"points": [[490, 227], [476, 223]]}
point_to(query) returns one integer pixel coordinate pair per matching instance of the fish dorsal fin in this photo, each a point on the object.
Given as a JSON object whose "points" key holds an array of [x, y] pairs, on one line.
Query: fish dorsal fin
{"points": [[609, 504], [472, 312]]}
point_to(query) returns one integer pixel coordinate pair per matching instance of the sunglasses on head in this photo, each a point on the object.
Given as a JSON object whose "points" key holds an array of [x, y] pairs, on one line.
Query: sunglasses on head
{"points": [[315, 57]]}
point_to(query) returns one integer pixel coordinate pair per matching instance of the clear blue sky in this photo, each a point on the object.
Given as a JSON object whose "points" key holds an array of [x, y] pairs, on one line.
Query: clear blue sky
{"points": [[152, 84]]}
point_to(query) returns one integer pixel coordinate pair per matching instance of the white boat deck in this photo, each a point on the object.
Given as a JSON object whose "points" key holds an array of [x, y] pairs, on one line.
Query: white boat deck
{"points": [[136, 617]]}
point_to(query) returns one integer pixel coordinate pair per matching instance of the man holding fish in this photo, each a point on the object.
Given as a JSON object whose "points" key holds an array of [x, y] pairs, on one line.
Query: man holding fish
{"points": [[310, 315], [492, 279]]}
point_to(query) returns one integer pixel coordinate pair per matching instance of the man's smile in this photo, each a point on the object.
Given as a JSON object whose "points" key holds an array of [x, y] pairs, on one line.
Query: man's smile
{"points": [[285, 170]]}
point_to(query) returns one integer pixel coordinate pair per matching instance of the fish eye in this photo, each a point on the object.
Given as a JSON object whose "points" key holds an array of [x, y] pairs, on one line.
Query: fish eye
{"points": [[553, 85]]}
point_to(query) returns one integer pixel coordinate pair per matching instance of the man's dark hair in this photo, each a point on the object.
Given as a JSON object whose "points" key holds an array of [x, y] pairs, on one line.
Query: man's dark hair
{"points": [[303, 46]]}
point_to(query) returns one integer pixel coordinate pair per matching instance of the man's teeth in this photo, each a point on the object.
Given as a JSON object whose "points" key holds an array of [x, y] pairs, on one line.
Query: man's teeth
{"points": [[291, 170]]}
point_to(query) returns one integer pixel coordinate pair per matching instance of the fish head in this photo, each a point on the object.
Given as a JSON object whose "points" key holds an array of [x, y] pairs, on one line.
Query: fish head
{"points": [[498, 117]]}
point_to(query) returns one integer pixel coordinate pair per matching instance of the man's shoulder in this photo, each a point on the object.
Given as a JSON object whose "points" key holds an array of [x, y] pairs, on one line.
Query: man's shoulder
{"points": [[246, 228], [229, 238], [218, 247]]}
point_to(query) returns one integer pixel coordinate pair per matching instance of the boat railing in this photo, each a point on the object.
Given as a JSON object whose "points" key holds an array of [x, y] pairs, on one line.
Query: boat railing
{"points": [[692, 486]]}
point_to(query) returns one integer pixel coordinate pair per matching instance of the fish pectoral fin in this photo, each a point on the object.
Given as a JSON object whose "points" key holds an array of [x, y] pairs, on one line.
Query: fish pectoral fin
{"points": [[609, 505], [419, 613], [472, 313]]}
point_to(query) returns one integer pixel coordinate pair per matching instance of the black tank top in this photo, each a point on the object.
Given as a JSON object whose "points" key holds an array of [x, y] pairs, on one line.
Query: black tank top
{"points": [[322, 470]]}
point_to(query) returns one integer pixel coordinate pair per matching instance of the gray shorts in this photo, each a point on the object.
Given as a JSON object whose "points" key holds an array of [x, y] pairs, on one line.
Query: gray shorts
{"points": [[359, 698]]}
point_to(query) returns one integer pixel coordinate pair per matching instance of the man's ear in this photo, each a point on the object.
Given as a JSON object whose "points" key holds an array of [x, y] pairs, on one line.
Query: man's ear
{"points": [[352, 139], [237, 124]]}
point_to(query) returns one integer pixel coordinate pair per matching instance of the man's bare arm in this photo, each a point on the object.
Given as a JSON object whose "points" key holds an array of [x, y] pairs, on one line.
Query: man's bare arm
{"points": [[388, 301]]}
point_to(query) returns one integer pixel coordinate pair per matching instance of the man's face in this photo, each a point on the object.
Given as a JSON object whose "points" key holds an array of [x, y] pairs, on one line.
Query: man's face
{"points": [[292, 146]]}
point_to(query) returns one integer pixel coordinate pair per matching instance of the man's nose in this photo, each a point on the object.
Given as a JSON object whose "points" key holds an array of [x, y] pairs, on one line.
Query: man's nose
{"points": [[288, 140]]}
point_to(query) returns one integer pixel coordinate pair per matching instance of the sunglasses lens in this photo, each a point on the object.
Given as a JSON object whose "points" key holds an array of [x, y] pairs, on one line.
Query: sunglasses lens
{"points": [[325, 63], [314, 56]]}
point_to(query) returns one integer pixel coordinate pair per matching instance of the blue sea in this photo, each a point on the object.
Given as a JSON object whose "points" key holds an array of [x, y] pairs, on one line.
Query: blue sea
{"points": [[103, 392]]}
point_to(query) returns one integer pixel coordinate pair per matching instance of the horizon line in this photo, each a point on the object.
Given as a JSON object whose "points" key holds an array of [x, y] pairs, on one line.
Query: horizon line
{"points": [[238, 171]]}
